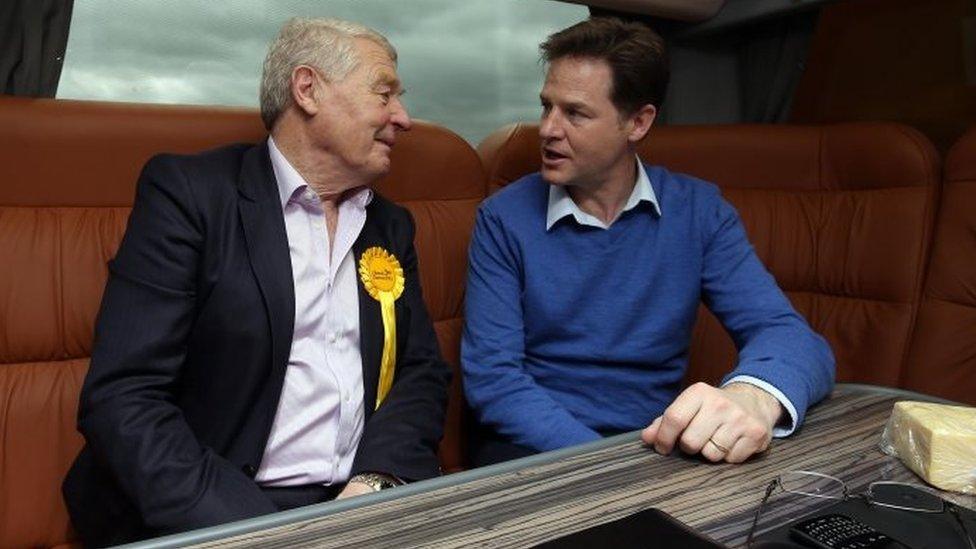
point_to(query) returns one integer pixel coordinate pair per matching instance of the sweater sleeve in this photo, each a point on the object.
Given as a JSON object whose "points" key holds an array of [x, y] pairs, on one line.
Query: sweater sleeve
{"points": [[502, 394], [776, 345]]}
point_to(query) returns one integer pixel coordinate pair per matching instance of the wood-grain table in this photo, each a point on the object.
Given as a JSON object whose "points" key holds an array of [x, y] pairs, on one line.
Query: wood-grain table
{"points": [[524, 502]]}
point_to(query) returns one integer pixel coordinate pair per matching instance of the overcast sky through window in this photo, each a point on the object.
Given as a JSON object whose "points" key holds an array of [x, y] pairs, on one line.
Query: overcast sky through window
{"points": [[471, 65]]}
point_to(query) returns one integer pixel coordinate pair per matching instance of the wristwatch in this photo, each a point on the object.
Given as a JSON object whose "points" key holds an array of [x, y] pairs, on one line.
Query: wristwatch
{"points": [[376, 481]]}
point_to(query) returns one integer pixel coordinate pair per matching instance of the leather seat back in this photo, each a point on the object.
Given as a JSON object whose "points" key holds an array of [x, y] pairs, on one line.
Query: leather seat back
{"points": [[67, 179], [942, 360], [841, 215]]}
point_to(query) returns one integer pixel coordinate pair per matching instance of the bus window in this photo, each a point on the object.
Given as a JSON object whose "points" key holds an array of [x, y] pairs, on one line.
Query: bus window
{"points": [[471, 66]]}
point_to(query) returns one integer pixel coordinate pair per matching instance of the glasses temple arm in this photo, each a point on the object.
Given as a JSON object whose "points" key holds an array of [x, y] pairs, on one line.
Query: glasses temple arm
{"points": [[762, 505]]}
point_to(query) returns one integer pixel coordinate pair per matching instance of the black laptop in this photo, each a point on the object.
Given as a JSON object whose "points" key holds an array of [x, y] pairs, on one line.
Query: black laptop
{"points": [[648, 528]]}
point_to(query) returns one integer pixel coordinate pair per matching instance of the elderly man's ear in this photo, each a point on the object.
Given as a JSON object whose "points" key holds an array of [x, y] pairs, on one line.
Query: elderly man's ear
{"points": [[304, 89]]}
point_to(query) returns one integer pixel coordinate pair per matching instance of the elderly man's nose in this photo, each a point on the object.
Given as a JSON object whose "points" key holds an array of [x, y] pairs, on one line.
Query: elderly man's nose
{"points": [[400, 117]]}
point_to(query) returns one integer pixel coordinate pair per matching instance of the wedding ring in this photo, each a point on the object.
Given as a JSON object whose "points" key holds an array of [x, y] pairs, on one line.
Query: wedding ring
{"points": [[719, 446]]}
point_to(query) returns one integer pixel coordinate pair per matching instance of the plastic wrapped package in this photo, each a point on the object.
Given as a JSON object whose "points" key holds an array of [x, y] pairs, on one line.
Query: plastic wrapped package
{"points": [[937, 441]]}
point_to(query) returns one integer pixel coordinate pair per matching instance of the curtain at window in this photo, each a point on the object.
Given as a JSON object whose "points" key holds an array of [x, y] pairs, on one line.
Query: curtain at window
{"points": [[33, 37], [741, 72], [771, 62]]}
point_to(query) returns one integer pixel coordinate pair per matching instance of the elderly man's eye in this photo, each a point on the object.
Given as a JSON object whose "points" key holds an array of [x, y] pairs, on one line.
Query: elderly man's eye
{"points": [[384, 95]]}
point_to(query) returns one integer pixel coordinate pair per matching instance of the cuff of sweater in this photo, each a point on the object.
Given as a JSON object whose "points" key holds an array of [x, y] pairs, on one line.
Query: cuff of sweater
{"points": [[783, 428]]}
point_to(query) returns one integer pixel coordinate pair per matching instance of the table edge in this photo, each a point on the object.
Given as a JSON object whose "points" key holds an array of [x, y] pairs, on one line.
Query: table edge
{"points": [[321, 510]]}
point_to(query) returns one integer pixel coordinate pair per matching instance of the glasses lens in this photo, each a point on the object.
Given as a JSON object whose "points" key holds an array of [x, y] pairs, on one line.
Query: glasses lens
{"points": [[813, 484], [904, 496]]}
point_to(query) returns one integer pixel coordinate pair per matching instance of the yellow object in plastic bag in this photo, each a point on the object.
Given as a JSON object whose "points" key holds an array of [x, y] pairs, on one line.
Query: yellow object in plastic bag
{"points": [[937, 441]]}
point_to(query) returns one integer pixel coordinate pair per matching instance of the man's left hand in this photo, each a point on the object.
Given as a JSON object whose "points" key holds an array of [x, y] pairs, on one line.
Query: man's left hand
{"points": [[355, 489], [728, 424]]}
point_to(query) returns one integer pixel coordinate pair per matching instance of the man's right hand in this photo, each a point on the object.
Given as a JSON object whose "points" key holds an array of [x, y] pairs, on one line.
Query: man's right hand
{"points": [[728, 424]]}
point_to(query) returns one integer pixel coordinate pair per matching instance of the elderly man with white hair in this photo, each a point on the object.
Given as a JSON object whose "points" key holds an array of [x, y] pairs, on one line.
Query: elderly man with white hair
{"points": [[262, 342]]}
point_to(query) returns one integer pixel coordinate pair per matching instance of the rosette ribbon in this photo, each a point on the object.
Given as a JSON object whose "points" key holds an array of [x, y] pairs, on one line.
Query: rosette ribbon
{"points": [[383, 280]]}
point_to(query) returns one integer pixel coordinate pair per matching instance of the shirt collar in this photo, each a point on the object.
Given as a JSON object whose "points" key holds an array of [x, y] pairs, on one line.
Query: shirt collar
{"points": [[561, 204], [292, 185]]}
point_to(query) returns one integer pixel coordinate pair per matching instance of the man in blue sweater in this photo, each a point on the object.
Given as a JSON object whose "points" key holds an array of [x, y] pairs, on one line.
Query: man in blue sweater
{"points": [[585, 278]]}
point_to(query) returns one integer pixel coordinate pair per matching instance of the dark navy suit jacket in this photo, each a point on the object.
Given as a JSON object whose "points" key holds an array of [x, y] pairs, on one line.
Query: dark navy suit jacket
{"points": [[191, 347]]}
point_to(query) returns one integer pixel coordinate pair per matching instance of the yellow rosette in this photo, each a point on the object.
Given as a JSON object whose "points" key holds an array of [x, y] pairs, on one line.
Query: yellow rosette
{"points": [[382, 278]]}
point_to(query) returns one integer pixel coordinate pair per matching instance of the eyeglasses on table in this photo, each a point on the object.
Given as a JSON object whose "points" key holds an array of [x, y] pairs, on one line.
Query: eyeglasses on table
{"points": [[890, 494]]}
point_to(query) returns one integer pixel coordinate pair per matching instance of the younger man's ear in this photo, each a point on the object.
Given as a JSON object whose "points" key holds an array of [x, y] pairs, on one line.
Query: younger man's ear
{"points": [[641, 122]]}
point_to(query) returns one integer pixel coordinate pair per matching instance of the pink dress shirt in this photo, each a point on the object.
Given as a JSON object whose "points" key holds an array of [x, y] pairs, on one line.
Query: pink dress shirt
{"points": [[320, 414]]}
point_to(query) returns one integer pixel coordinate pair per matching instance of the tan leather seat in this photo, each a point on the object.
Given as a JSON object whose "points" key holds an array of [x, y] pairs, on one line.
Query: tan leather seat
{"points": [[67, 178], [942, 360], [841, 215]]}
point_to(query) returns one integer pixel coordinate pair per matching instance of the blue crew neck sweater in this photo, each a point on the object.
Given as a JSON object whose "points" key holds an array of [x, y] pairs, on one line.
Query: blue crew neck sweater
{"points": [[576, 331]]}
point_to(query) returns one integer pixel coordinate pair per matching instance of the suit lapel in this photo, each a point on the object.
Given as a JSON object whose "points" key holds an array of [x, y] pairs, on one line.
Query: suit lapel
{"points": [[267, 247], [370, 318]]}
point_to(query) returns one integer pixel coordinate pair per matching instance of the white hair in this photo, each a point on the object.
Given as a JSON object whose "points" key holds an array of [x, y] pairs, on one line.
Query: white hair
{"points": [[323, 43]]}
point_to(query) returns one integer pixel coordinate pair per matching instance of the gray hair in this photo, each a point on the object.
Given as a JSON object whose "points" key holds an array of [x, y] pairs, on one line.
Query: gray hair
{"points": [[323, 43]]}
